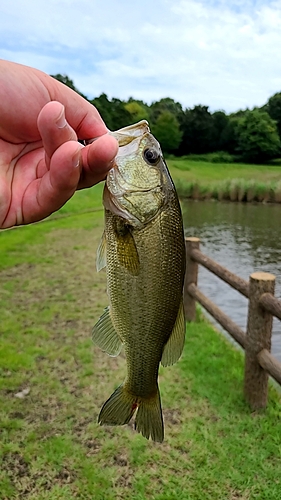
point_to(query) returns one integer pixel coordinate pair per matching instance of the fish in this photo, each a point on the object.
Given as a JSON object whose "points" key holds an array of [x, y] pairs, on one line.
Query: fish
{"points": [[143, 250]]}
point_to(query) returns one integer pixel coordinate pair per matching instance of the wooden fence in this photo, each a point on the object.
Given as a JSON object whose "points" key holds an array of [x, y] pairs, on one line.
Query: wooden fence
{"points": [[262, 306]]}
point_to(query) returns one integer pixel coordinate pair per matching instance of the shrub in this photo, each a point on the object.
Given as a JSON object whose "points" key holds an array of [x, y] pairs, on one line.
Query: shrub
{"points": [[217, 157]]}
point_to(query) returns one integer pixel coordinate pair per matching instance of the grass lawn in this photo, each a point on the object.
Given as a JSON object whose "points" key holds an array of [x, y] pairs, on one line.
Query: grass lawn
{"points": [[51, 447], [207, 172], [226, 181]]}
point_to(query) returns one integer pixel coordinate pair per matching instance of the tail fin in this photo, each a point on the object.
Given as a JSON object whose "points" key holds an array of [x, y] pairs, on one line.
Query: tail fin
{"points": [[120, 407], [149, 418]]}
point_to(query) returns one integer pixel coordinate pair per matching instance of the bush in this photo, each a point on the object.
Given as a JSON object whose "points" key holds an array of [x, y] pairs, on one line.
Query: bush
{"points": [[222, 157], [257, 137], [217, 157]]}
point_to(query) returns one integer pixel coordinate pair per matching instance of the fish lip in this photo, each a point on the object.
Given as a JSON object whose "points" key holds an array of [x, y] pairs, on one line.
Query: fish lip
{"points": [[125, 135], [128, 134]]}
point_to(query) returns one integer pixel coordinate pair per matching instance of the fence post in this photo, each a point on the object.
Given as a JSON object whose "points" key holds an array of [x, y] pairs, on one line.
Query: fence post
{"points": [[190, 277], [259, 328]]}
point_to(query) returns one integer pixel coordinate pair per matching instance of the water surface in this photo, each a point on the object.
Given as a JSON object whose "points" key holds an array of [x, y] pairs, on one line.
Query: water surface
{"points": [[244, 238]]}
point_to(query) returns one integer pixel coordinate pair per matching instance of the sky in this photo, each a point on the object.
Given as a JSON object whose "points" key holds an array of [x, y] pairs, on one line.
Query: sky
{"points": [[225, 54]]}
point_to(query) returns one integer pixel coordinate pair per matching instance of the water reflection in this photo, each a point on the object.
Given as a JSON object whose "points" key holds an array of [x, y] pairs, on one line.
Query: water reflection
{"points": [[244, 238]]}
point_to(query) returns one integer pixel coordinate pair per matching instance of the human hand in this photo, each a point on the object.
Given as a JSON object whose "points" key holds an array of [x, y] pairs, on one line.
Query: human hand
{"points": [[41, 162]]}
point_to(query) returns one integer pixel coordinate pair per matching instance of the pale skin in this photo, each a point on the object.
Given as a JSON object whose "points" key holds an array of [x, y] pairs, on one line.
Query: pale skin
{"points": [[41, 162]]}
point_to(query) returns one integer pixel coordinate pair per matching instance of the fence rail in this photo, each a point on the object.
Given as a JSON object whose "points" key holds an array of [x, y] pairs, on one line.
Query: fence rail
{"points": [[262, 306]]}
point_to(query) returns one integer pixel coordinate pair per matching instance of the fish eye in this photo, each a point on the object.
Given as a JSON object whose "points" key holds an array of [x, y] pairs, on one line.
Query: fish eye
{"points": [[151, 156]]}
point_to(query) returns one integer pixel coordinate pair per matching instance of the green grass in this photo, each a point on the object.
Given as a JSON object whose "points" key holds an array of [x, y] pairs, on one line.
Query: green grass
{"points": [[84, 200], [226, 181], [50, 444], [16, 243], [214, 172]]}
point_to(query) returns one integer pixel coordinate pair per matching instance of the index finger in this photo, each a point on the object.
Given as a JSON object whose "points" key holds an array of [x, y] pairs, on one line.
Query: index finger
{"points": [[81, 115]]}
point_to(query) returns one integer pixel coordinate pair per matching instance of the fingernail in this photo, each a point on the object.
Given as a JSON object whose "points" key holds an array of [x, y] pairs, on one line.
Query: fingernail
{"points": [[111, 164], [61, 121], [76, 159]]}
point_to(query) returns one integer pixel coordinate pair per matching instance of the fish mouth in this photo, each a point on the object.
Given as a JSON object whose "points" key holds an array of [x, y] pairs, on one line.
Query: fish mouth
{"points": [[125, 135], [128, 134]]}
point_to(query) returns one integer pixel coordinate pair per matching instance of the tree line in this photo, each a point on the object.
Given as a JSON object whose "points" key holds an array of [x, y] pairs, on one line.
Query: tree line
{"points": [[247, 135]]}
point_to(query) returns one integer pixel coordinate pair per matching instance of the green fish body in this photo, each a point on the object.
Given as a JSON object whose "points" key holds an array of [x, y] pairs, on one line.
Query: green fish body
{"points": [[143, 250]]}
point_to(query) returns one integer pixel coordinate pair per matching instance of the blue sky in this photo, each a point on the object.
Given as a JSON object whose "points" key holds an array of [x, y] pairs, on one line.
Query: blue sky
{"points": [[224, 54]]}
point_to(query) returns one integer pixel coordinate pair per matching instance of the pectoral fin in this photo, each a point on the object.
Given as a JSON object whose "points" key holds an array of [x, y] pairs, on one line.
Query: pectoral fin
{"points": [[101, 253], [105, 335], [127, 252], [174, 347]]}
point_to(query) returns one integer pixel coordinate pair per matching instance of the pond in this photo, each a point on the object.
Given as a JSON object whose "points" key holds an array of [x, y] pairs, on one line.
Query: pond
{"points": [[244, 238]]}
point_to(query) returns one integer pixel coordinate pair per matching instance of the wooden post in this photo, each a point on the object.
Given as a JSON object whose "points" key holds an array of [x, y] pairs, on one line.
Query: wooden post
{"points": [[258, 337], [190, 277]]}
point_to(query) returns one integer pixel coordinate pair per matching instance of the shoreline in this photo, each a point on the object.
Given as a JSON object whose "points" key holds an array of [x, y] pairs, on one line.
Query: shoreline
{"points": [[199, 180], [231, 190]]}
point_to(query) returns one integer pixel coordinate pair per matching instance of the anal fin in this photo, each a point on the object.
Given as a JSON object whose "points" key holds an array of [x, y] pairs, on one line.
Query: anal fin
{"points": [[174, 347]]}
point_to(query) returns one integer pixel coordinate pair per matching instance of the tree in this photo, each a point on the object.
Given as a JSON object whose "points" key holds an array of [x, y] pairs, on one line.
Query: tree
{"points": [[112, 112], [103, 106], [67, 81], [119, 115], [273, 108], [220, 125], [166, 104], [137, 111], [197, 128], [167, 131], [228, 138], [257, 136]]}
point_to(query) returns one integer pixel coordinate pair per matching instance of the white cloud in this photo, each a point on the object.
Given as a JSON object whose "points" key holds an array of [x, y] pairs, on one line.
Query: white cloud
{"points": [[224, 54]]}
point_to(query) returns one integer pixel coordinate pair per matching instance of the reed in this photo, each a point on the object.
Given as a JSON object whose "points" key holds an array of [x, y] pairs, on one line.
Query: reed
{"points": [[241, 190], [277, 193]]}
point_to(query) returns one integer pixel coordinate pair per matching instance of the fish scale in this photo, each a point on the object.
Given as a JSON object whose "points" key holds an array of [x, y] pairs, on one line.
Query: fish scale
{"points": [[145, 260]]}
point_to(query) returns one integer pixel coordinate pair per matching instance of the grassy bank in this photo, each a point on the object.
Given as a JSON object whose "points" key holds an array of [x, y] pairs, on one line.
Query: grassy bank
{"points": [[225, 181], [51, 447]]}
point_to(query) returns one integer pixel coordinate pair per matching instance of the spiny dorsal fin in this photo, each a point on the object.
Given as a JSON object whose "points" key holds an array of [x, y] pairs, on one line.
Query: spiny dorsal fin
{"points": [[105, 335], [173, 349]]}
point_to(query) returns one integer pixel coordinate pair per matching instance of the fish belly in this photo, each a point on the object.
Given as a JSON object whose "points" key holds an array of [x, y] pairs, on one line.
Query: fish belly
{"points": [[144, 307]]}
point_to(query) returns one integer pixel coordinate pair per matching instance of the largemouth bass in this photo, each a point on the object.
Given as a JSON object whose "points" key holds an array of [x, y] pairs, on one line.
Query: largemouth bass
{"points": [[143, 250]]}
